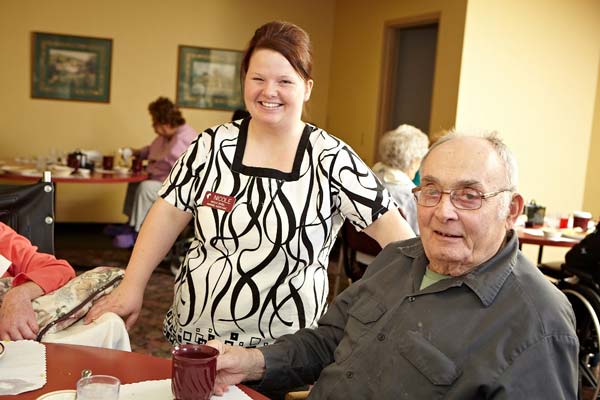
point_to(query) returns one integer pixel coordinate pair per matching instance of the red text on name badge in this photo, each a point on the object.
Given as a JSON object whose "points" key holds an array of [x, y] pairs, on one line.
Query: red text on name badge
{"points": [[218, 201]]}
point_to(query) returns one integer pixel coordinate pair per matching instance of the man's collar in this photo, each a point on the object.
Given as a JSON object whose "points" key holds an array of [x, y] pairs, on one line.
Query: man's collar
{"points": [[485, 280]]}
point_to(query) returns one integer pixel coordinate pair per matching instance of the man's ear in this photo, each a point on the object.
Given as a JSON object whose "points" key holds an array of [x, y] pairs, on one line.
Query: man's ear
{"points": [[515, 209]]}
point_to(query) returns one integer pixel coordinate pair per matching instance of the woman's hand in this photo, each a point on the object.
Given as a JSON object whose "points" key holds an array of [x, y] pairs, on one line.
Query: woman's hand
{"points": [[125, 300], [236, 364], [159, 231]]}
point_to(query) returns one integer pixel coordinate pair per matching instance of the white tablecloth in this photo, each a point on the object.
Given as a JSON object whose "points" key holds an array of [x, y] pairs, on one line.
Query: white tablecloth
{"points": [[161, 390], [108, 331]]}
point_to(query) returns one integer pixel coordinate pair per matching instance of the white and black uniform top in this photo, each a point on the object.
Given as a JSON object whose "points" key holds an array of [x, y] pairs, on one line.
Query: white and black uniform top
{"points": [[257, 268]]}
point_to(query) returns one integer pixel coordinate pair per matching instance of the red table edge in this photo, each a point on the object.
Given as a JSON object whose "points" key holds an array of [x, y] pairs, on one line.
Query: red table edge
{"points": [[96, 177]]}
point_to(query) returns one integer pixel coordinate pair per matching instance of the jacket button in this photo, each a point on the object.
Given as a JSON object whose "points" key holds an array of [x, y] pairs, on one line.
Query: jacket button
{"points": [[349, 374], [411, 299], [381, 337]]}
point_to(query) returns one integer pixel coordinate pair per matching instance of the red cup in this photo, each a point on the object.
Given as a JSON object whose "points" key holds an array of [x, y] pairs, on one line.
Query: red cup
{"points": [[194, 370], [563, 223], [108, 162], [73, 161], [137, 165], [581, 219]]}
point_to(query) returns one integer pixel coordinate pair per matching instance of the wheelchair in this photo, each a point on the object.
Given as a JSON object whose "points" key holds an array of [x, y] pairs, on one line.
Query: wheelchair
{"points": [[582, 288], [29, 210]]}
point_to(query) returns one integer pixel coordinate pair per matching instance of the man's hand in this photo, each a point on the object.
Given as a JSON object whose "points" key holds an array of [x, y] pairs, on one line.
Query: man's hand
{"points": [[123, 301], [235, 365], [17, 319]]}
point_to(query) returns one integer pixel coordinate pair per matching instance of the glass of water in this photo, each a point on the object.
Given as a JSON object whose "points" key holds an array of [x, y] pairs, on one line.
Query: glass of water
{"points": [[98, 387]]}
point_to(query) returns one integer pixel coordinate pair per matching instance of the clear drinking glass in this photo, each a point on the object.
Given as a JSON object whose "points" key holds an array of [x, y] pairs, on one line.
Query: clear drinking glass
{"points": [[98, 387]]}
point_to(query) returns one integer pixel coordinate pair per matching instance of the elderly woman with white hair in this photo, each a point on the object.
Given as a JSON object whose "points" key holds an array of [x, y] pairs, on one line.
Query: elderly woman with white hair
{"points": [[401, 152]]}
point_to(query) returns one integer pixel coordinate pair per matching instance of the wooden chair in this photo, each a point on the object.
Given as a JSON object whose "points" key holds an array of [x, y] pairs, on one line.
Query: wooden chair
{"points": [[297, 395], [360, 250], [357, 251]]}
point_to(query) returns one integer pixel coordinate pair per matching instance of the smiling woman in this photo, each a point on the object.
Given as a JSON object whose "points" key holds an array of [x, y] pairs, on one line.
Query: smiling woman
{"points": [[268, 194]]}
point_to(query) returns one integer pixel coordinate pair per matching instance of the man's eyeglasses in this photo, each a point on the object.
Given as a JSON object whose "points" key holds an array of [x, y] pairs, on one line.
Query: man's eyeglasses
{"points": [[464, 198]]}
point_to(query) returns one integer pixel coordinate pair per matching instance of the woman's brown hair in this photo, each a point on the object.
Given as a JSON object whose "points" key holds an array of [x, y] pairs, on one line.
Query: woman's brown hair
{"points": [[163, 111], [287, 39]]}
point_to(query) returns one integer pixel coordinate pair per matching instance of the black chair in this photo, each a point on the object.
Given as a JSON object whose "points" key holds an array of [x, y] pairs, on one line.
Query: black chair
{"points": [[180, 248], [29, 210]]}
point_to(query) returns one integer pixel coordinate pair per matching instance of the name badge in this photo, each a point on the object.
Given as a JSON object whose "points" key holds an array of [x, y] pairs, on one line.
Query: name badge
{"points": [[218, 201]]}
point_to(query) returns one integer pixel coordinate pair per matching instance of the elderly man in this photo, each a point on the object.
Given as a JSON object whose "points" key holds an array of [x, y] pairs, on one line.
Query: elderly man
{"points": [[458, 313]]}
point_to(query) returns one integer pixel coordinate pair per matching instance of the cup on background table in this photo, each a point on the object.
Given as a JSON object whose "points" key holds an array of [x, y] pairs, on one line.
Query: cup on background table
{"points": [[194, 370], [564, 221], [581, 219], [73, 161], [137, 165], [96, 387], [108, 162]]}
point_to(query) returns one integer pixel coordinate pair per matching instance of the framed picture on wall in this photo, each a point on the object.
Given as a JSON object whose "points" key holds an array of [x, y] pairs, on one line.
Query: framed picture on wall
{"points": [[66, 67], [209, 78]]}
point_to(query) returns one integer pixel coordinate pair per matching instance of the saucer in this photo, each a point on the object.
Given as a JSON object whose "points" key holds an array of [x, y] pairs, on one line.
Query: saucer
{"points": [[59, 395]]}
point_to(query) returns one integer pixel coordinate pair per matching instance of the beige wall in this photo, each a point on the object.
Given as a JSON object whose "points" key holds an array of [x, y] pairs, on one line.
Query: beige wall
{"points": [[357, 64], [591, 198], [530, 71], [145, 38]]}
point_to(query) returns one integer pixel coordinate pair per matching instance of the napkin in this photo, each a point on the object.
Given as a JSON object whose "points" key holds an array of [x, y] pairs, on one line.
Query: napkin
{"points": [[23, 367], [161, 390]]}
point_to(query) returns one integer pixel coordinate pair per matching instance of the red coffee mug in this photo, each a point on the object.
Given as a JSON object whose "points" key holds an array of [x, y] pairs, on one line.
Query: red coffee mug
{"points": [[107, 162], [581, 219], [137, 165], [194, 370]]}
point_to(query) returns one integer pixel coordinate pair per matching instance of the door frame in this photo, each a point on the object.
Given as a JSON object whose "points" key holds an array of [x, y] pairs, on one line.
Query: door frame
{"points": [[389, 64]]}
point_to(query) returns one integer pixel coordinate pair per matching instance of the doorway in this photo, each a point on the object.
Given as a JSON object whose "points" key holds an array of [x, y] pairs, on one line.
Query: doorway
{"points": [[408, 74]]}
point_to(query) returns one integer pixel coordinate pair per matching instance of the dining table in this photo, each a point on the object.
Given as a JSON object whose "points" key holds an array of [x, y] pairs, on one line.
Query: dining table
{"points": [[93, 177], [536, 237], [65, 363], [77, 181]]}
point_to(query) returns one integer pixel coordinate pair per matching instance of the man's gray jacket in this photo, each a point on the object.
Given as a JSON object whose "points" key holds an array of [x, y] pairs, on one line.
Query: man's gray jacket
{"points": [[501, 331]]}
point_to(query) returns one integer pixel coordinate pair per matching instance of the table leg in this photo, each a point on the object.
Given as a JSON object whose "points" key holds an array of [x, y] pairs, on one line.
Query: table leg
{"points": [[540, 252]]}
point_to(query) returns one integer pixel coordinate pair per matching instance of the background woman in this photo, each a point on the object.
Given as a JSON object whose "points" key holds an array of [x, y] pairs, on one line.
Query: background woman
{"points": [[401, 152], [267, 195], [173, 138]]}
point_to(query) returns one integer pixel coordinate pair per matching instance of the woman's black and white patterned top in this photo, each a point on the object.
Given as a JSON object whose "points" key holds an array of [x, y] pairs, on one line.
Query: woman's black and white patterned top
{"points": [[257, 268]]}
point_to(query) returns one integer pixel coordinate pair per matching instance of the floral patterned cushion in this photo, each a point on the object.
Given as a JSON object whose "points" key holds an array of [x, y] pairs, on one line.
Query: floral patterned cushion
{"points": [[63, 307]]}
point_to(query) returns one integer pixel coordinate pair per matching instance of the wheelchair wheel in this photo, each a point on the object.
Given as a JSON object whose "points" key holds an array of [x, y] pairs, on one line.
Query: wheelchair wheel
{"points": [[586, 305]]}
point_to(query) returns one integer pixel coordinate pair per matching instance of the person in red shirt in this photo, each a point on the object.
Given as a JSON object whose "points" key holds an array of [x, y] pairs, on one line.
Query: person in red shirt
{"points": [[35, 274]]}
